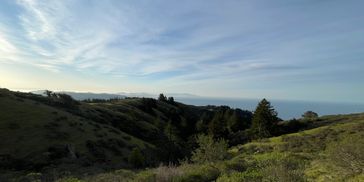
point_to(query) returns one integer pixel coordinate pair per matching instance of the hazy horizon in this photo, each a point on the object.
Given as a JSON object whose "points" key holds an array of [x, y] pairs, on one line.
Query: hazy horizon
{"points": [[187, 95], [287, 109], [291, 50]]}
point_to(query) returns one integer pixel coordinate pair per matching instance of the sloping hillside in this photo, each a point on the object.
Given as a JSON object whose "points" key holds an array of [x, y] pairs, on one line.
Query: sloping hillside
{"points": [[50, 137], [34, 134], [39, 131], [331, 152]]}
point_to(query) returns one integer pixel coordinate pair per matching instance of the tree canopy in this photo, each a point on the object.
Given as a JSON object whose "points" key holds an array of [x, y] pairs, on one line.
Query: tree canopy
{"points": [[309, 115], [264, 120]]}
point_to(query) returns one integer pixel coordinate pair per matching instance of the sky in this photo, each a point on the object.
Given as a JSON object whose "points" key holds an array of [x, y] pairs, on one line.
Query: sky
{"points": [[309, 50]]}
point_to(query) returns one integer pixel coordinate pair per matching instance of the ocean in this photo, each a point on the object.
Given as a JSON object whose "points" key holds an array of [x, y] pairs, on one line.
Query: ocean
{"points": [[286, 109]]}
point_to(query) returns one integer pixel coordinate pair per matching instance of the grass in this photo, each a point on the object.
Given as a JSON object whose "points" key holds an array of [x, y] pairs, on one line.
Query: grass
{"points": [[30, 129], [318, 157], [41, 135]]}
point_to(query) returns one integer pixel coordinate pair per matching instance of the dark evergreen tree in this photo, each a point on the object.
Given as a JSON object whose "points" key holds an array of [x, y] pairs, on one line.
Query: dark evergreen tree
{"points": [[162, 97], [240, 120], [171, 100], [217, 127], [172, 144], [264, 120]]}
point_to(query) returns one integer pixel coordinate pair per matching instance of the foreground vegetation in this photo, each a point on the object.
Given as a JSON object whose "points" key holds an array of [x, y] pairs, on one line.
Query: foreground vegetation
{"points": [[328, 153], [56, 135], [56, 138]]}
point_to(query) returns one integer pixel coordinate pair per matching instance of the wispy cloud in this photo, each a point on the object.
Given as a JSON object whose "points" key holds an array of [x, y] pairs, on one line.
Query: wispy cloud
{"points": [[185, 43], [6, 47]]}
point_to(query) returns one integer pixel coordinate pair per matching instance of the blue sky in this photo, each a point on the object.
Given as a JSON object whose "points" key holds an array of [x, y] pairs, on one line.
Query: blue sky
{"points": [[282, 49]]}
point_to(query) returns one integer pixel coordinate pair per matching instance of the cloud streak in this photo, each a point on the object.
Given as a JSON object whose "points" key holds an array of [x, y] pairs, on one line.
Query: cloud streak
{"points": [[185, 43]]}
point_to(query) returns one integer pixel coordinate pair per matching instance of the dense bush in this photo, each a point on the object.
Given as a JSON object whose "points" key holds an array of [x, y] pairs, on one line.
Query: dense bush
{"points": [[292, 126], [209, 150], [136, 158], [284, 170], [193, 173], [309, 115], [239, 137], [237, 164]]}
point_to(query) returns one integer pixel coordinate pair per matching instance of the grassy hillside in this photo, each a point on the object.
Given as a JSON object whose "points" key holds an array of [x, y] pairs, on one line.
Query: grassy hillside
{"points": [[57, 133], [56, 137], [331, 152], [35, 134]]}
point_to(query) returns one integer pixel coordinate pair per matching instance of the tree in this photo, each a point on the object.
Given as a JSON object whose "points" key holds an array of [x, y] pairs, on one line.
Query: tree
{"points": [[239, 120], [172, 146], [136, 159], [48, 93], [217, 127], [171, 100], [309, 115], [162, 97], [209, 150], [67, 100], [264, 120], [171, 132]]}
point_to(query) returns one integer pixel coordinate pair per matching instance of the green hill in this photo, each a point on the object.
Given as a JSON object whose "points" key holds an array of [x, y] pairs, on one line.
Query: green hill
{"points": [[35, 134], [56, 137], [331, 152], [58, 133]]}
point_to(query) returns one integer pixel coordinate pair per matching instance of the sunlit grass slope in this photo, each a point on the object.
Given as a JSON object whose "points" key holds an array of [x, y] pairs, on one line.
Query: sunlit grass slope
{"points": [[331, 152]]}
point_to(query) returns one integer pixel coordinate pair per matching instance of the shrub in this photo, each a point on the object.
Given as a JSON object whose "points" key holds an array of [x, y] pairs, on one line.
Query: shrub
{"points": [[95, 149], [247, 176], [309, 142], [168, 173], [32, 177], [121, 175], [239, 137], [69, 179], [292, 126], [257, 148], [136, 159], [348, 154], [127, 138], [209, 150], [192, 173], [145, 176], [162, 98], [284, 171], [237, 164], [310, 115], [285, 168]]}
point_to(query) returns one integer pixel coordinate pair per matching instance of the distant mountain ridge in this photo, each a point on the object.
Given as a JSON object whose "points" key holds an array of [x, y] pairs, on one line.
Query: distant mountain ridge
{"points": [[85, 95], [286, 109], [120, 95]]}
